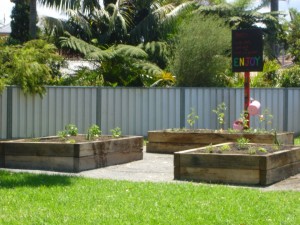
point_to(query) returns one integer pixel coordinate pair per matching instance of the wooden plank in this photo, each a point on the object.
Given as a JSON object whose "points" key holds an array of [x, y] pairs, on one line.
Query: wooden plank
{"points": [[63, 164], [271, 176], [116, 158], [169, 148], [2, 162], [215, 138], [39, 149], [282, 158], [216, 175], [220, 161]]}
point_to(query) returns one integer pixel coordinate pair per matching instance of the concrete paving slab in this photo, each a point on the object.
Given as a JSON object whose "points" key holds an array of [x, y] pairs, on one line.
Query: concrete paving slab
{"points": [[156, 168]]}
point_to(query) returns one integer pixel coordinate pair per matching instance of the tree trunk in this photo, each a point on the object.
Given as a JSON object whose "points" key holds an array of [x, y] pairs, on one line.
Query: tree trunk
{"points": [[274, 5], [32, 19]]}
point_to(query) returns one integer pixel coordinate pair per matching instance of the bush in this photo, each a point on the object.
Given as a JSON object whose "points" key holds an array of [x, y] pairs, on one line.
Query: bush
{"points": [[200, 53], [290, 77]]}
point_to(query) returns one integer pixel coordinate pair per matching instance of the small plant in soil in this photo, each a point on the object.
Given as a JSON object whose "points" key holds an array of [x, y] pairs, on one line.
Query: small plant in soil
{"points": [[220, 111], [192, 117], [71, 130], [209, 148], [262, 150], [116, 132], [93, 132], [225, 148], [242, 143], [252, 151]]}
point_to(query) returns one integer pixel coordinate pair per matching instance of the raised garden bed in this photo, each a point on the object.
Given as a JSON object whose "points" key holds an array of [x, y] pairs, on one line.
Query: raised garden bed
{"points": [[170, 141], [53, 154], [257, 165]]}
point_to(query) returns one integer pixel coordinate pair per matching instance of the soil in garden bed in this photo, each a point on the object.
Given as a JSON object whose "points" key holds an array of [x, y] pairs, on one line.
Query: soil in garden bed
{"points": [[245, 149], [70, 139]]}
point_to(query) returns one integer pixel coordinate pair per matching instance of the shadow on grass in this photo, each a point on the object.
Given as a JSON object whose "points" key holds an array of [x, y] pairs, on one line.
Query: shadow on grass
{"points": [[10, 179]]}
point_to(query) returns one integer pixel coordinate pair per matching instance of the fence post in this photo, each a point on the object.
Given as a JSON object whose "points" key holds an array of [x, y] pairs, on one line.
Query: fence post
{"points": [[285, 109], [9, 113], [182, 107], [98, 107]]}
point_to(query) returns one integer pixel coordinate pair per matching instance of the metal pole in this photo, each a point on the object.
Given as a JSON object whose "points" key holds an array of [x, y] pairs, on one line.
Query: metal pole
{"points": [[247, 97]]}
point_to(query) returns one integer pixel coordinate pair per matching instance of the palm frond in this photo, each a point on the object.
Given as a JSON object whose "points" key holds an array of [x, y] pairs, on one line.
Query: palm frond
{"points": [[130, 51], [150, 68], [88, 50]]}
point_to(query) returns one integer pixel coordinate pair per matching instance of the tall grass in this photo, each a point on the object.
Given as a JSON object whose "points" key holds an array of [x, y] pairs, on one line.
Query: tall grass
{"points": [[44, 199]]}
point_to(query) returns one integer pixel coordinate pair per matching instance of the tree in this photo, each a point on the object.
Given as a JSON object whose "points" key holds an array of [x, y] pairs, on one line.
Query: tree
{"points": [[200, 53], [294, 36], [30, 66], [240, 15], [20, 22]]}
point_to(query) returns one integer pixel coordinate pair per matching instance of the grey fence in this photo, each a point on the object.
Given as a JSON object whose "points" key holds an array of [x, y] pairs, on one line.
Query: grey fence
{"points": [[137, 110]]}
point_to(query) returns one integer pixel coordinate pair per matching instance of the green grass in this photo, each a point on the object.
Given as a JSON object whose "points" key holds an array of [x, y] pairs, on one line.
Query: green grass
{"points": [[43, 199], [297, 141]]}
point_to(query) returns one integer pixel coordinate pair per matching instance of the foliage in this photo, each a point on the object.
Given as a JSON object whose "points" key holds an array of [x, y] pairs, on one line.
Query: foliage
{"points": [[242, 143], [268, 77], [30, 66], [266, 118], [200, 53], [20, 22], [293, 38], [123, 65], [220, 111], [93, 132], [290, 77], [71, 129], [116, 132], [192, 117], [242, 14]]}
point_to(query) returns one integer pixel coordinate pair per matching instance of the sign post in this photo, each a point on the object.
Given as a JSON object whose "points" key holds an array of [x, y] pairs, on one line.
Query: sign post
{"points": [[247, 56]]}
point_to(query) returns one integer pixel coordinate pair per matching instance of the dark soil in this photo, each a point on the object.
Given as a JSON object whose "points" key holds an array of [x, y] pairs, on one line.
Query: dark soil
{"points": [[248, 149], [70, 139]]}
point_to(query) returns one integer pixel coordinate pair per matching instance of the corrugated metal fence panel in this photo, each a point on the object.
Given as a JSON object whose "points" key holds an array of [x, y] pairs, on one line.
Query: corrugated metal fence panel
{"points": [[293, 110], [205, 100], [3, 114], [271, 100], [137, 110], [34, 116]]}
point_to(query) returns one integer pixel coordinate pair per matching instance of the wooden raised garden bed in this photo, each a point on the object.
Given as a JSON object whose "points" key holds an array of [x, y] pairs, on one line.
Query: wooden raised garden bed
{"points": [[237, 167], [49, 154], [169, 141]]}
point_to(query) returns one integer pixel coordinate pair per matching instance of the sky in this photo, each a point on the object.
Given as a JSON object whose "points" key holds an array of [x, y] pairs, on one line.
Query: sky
{"points": [[6, 7]]}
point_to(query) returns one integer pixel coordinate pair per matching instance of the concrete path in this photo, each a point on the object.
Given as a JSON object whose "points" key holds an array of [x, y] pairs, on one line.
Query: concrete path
{"points": [[156, 168]]}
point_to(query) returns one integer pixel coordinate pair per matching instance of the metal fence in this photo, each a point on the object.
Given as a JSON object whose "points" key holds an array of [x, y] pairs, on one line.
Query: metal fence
{"points": [[137, 110]]}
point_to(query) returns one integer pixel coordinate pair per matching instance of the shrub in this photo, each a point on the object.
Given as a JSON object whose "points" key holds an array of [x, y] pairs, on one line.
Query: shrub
{"points": [[290, 77], [200, 53]]}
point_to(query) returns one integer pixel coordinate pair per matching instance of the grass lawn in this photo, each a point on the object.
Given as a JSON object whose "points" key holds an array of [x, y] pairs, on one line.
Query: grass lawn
{"points": [[51, 199]]}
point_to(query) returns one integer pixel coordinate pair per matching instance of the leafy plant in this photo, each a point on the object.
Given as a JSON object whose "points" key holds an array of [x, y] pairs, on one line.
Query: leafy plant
{"points": [[62, 134], [71, 130], [116, 132], [262, 149], [71, 141], [252, 150], [220, 111], [200, 53], [209, 148], [192, 117], [225, 148], [266, 118], [242, 143], [244, 119], [93, 132]]}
